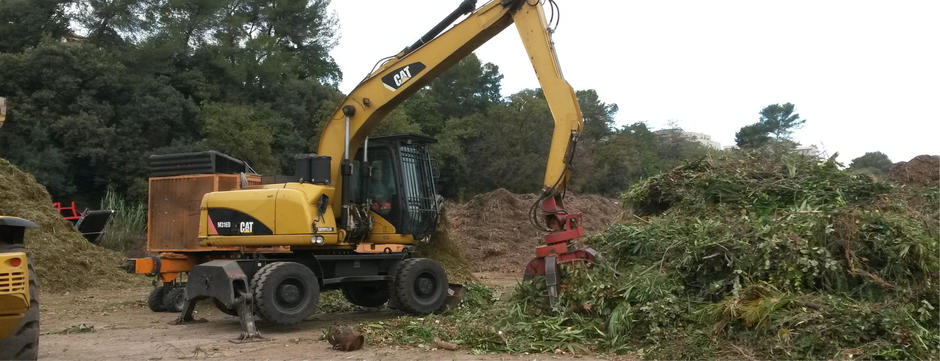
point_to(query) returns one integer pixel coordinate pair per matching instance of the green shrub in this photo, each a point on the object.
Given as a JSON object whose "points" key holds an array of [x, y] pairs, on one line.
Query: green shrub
{"points": [[127, 230]]}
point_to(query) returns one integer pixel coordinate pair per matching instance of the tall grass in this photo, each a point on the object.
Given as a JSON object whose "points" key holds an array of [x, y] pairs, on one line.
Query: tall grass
{"points": [[128, 228]]}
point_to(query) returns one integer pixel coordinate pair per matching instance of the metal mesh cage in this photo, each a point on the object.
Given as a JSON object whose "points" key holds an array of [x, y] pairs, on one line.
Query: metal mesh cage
{"points": [[420, 195]]}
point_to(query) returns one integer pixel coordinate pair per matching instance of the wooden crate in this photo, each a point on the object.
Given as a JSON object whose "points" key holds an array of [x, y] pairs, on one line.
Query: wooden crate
{"points": [[173, 210]]}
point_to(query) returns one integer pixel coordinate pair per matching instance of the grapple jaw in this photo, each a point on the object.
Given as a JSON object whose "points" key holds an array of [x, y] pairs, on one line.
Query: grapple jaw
{"points": [[558, 248]]}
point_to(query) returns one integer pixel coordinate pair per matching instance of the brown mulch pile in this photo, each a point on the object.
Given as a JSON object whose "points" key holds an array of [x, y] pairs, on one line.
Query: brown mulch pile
{"points": [[63, 259], [443, 249], [922, 170], [493, 230]]}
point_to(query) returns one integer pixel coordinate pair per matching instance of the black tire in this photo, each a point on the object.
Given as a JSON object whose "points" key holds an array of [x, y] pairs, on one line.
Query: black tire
{"points": [[285, 293], [23, 342], [223, 309], [367, 294], [393, 299], [420, 286], [174, 299], [155, 299]]}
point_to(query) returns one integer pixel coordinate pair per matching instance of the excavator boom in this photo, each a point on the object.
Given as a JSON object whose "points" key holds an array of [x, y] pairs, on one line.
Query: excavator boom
{"points": [[416, 65], [399, 78]]}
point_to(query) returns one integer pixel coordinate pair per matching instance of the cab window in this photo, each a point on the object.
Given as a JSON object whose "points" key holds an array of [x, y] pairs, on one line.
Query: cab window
{"points": [[382, 189]]}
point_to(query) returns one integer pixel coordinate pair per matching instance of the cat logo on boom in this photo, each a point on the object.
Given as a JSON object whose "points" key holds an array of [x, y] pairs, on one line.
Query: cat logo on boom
{"points": [[398, 77]]}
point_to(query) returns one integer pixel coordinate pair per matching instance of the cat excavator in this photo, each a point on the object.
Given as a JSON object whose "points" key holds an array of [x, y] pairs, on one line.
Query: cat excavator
{"points": [[356, 209]]}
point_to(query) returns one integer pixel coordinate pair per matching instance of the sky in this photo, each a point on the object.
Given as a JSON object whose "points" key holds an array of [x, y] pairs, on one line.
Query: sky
{"points": [[864, 74]]}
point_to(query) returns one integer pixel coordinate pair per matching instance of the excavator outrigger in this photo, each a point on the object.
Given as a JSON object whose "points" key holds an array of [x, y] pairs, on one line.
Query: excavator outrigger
{"points": [[359, 206]]}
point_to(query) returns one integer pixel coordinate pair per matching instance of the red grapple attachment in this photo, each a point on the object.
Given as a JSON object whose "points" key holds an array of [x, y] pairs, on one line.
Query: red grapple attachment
{"points": [[558, 248]]}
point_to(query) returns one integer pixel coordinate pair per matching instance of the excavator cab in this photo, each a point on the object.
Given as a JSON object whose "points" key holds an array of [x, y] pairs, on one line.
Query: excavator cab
{"points": [[395, 181]]}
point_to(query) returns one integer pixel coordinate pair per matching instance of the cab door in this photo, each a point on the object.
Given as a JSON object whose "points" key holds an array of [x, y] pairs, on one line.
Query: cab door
{"points": [[419, 195]]}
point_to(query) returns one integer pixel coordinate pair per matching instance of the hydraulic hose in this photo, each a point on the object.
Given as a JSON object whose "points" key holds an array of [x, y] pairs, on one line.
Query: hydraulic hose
{"points": [[465, 7]]}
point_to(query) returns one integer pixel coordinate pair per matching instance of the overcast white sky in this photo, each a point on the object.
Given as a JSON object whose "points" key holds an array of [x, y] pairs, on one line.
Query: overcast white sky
{"points": [[865, 74]]}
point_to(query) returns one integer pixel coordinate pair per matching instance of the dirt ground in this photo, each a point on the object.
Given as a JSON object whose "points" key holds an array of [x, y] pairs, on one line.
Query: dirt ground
{"points": [[116, 324]]}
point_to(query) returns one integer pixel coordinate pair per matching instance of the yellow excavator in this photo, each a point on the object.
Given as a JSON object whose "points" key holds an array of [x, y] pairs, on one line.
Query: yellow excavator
{"points": [[19, 291], [358, 207]]}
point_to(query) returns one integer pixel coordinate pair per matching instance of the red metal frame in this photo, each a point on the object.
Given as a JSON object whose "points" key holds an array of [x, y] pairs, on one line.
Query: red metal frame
{"points": [[73, 217]]}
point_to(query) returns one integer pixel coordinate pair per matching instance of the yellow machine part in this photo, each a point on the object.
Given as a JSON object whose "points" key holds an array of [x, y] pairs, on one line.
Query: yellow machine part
{"points": [[288, 210], [384, 232], [291, 216], [14, 291]]}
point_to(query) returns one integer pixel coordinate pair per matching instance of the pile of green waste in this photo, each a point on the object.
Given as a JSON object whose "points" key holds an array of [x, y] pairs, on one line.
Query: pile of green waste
{"points": [[763, 254], [63, 259]]}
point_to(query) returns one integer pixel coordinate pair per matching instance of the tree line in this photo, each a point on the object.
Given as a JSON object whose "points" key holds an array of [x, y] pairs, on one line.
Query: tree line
{"points": [[246, 77], [776, 125]]}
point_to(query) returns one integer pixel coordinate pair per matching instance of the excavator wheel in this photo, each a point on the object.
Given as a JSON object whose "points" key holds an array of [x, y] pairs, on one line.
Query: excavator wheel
{"points": [[420, 286], [174, 299], [367, 294], [155, 299], [285, 293], [23, 342]]}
